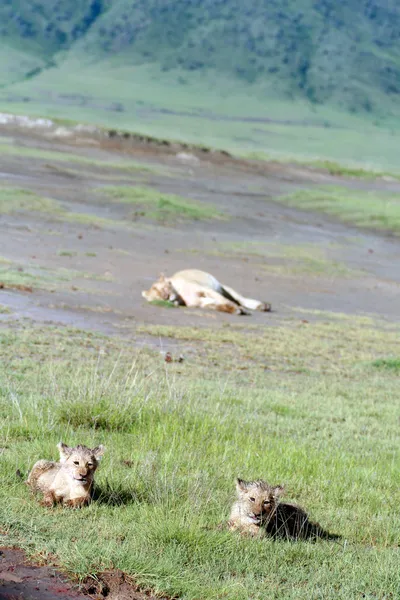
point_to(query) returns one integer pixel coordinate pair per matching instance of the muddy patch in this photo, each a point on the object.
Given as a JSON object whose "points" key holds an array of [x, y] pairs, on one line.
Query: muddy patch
{"points": [[24, 580], [115, 585]]}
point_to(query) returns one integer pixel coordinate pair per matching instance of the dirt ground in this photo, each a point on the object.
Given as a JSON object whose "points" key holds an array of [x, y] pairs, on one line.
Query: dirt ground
{"points": [[88, 273], [23, 579], [95, 270]]}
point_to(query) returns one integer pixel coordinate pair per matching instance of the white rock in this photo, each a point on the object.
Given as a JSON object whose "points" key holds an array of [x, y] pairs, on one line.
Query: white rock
{"points": [[188, 158]]}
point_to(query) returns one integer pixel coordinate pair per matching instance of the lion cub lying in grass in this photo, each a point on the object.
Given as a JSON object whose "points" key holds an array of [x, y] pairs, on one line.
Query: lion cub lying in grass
{"points": [[69, 481], [258, 512], [194, 288]]}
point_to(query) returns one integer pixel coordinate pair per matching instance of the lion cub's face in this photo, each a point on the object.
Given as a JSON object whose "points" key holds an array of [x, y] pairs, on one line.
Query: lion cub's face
{"points": [[80, 462], [160, 290], [258, 499]]}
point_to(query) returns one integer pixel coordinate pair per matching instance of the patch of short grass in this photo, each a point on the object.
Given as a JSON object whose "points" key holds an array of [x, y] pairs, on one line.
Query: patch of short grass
{"points": [[14, 275], [161, 207], [16, 200], [284, 259], [19, 200], [377, 210], [176, 436], [333, 167], [36, 276], [69, 253], [342, 170], [295, 347], [387, 364], [128, 166], [163, 303]]}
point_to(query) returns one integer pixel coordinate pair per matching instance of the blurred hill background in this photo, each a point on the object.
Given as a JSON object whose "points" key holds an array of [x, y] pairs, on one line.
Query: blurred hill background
{"points": [[237, 73]]}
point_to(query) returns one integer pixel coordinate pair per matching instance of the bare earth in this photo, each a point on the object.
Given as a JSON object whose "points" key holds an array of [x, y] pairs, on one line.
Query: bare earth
{"points": [[90, 274], [22, 579]]}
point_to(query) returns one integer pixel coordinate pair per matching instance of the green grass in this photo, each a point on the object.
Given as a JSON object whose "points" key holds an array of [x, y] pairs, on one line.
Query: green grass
{"points": [[14, 276], [208, 109], [340, 168], [168, 208], [296, 404], [302, 54], [15, 200], [377, 210], [335, 168], [69, 253], [39, 277], [15, 63], [163, 303], [388, 364], [128, 166]]}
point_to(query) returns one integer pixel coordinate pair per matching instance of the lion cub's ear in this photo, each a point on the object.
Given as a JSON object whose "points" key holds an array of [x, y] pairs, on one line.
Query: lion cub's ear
{"points": [[241, 485], [161, 277], [65, 451], [98, 452], [278, 490]]}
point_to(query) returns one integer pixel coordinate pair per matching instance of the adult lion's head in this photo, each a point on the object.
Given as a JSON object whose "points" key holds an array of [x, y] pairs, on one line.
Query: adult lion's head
{"points": [[161, 290]]}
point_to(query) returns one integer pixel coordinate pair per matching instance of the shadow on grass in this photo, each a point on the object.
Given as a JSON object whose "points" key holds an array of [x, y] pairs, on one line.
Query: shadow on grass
{"points": [[118, 496], [290, 522]]}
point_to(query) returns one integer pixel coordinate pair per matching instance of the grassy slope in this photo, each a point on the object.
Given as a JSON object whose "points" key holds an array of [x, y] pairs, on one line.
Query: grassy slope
{"points": [[202, 113], [322, 52], [111, 64], [308, 405]]}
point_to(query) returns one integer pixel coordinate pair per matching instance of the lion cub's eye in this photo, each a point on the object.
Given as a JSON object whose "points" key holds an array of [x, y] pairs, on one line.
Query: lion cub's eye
{"points": [[90, 464], [76, 462], [267, 502], [252, 499]]}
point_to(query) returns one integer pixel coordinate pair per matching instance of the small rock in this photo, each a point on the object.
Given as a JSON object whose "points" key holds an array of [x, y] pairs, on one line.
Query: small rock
{"points": [[187, 158]]}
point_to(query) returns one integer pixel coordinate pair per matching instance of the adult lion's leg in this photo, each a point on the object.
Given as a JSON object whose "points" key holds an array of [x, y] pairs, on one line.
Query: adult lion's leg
{"points": [[246, 302], [213, 300]]}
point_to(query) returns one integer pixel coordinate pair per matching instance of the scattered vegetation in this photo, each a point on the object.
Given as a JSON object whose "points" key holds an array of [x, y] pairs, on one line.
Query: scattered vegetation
{"points": [[166, 208], [283, 259], [389, 364], [362, 208], [129, 166], [14, 274], [16, 200], [163, 303], [335, 168]]}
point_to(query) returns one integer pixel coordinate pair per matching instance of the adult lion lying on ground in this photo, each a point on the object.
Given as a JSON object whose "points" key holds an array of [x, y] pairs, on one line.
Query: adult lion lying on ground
{"points": [[196, 288]]}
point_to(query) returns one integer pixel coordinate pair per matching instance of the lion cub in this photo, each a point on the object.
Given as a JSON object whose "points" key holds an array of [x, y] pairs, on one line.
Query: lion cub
{"points": [[255, 506], [69, 481], [258, 512]]}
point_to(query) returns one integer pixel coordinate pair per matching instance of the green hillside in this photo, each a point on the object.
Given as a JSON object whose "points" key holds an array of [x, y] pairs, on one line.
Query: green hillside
{"points": [[345, 53], [279, 77]]}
